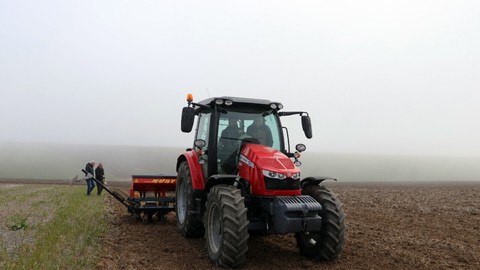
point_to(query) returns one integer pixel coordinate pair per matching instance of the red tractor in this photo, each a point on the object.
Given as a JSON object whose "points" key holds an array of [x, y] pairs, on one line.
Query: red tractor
{"points": [[240, 177]]}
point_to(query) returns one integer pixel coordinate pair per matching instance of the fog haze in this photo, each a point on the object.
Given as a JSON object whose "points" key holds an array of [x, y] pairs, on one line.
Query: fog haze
{"points": [[377, 77], [63, 162]]}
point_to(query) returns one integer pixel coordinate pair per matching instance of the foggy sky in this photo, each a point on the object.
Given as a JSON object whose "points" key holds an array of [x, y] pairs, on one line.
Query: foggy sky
{"points": [[387, 77]]}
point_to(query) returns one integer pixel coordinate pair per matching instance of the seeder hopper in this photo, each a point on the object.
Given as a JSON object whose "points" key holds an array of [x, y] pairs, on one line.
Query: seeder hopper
{"points": [[152, 194]]}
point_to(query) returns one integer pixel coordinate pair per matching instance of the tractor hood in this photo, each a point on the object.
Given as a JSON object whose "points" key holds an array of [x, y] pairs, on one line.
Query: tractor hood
{"points": [[263, 157]]}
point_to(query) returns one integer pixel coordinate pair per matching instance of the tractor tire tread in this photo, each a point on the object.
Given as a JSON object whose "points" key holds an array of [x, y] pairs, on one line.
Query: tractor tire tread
{"points": [[332, 234], [233, 247], [192, 227]]}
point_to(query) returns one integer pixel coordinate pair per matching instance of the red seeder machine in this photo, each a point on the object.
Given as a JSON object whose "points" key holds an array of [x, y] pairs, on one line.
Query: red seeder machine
{"points": [[149, 195]]}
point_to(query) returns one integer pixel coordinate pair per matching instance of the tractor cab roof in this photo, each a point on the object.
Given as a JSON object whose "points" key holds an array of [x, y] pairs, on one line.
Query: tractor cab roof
{"points": [[239, 101]]}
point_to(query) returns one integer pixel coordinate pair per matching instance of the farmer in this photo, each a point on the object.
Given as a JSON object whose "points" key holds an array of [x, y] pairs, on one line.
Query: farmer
{"points": [[89, 176], [100, 176], [229, 145], [230, 134], [260, 131]]}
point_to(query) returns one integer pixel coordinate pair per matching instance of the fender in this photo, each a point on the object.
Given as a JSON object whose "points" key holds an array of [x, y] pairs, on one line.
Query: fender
{"points": [[314, 180], [195, 169], [216, 179], [229, 179]]}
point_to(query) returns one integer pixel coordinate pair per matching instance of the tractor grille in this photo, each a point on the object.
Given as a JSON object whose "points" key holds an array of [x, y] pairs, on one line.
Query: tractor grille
{"points": [[285, 184]]}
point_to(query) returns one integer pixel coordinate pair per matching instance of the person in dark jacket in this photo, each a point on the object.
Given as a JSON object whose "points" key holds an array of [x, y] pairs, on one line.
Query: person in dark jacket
{"points": [[100, 176], [229, 144], [89, 176], [260, 131], [230, 134]]}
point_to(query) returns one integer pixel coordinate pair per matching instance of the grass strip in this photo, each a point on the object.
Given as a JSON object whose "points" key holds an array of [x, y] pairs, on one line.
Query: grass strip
{"points": [[71, 239]]}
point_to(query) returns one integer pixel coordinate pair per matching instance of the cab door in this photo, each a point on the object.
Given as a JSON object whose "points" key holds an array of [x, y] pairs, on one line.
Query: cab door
{"points": [[203, 134]]}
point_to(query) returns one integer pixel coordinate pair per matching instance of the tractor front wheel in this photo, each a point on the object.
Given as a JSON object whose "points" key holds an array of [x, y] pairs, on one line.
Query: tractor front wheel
{"points": [[326, 244], [187, 223], [226, 226]]}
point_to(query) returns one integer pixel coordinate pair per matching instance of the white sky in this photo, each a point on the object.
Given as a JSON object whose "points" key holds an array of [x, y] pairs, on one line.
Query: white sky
{"points": [[388, 77]]}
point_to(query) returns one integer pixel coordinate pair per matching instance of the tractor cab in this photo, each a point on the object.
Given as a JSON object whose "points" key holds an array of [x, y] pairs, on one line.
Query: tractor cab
{"points": [[236, 128], [226, 124]]}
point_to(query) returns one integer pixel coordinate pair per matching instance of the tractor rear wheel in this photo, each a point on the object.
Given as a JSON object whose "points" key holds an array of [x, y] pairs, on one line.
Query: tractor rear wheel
{"points": [[226, 226], [187, 223], [327, 244]]}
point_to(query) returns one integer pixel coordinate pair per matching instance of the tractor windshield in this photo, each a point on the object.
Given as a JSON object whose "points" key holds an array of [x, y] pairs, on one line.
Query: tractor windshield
{"points": [[235, 127]]}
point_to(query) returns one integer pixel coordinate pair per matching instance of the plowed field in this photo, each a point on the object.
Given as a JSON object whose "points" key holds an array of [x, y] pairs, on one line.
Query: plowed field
{"points": [[390, 226]]}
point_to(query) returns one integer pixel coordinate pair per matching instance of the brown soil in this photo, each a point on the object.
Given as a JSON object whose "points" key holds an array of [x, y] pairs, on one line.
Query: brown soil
{"points": [[390, 226]]}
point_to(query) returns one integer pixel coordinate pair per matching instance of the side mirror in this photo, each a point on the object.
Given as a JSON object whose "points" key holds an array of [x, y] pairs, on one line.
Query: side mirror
{"points": [[188, 116], [307, 126]]}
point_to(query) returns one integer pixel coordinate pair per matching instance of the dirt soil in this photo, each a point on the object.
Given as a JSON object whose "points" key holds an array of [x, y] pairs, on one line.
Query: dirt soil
{"points": [[390, 226]]}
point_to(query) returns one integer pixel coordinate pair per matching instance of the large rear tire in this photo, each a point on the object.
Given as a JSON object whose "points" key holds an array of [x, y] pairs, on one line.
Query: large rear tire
{"points": [[187, 223], [327, 244], [226, 226]]}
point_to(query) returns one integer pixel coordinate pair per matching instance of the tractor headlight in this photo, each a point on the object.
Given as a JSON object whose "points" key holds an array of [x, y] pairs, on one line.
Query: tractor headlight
{"points": [[275, 175], [269, 174], [296, 176], [219, 101], [228, 102]]}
